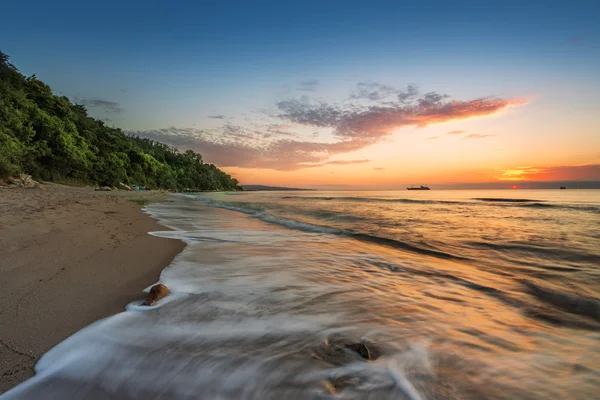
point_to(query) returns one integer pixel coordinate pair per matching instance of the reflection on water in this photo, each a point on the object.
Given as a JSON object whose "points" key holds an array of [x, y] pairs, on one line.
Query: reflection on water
{"points": [[454, 298]]}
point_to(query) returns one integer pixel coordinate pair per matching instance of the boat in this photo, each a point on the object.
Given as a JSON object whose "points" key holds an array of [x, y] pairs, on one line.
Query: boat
{"points": [[418, 188]]}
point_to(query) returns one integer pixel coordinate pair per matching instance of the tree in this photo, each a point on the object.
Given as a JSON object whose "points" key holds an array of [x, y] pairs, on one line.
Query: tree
{"points": [[52, 138]]}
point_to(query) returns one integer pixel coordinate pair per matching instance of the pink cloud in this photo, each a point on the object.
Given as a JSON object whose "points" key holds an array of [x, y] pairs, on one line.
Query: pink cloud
{"points": [[355, 127]]}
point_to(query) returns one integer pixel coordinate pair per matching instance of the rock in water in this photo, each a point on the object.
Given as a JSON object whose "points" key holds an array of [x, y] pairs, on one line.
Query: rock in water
{"points": [[157, 292], [337, 384], [361, 349], [338, 351]]}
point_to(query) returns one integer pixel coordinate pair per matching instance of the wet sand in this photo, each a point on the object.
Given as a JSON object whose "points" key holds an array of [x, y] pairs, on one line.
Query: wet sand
{"points": [[68, 257]]}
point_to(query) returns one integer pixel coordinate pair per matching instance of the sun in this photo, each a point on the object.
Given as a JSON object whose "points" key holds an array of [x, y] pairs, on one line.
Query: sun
{"points": [[514, 187]]}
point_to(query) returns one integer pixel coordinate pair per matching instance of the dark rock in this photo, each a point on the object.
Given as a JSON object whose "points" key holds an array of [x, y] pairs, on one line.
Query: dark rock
{"points": [[361, 349], [340, 352]]}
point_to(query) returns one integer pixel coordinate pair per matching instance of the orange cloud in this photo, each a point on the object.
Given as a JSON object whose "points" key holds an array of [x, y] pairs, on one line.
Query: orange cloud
{"points": [[463, 110], [557, 173], [519, 173]]}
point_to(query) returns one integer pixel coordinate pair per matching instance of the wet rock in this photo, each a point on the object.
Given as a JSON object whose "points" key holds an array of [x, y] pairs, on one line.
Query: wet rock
{"points": [[337, 384], [157, 292], [340, 352], [361, 349]]}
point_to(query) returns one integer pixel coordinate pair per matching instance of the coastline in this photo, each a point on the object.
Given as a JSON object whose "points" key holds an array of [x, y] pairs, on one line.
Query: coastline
{"points": [[70, 256]]}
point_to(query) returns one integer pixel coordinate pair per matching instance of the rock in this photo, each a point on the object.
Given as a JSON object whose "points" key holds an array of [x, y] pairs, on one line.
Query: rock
{"points": [[103, 189], [340, 352], [361, 349], [23, 181], [335, 385], [157, 292], [27, 181]]}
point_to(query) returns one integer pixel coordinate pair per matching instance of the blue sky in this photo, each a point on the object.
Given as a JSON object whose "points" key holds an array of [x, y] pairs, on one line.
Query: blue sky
{"points": [[152, 65]]}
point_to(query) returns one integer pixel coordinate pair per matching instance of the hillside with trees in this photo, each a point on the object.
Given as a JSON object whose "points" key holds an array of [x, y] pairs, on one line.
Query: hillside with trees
{"points": [[53, 139]]}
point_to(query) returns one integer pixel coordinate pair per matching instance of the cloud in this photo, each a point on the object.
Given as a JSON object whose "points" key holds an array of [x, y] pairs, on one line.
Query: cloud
{"points": [[378, 169], [575, 172], [309, 86], [471, 135], [559, 173], [234, 146], [276, 146], [477, 136], [345, 162], [372, 122], [217, 116], [280, 129], [106, 106], [373, 91], [411, 93], [519, 173], [433, 137]]}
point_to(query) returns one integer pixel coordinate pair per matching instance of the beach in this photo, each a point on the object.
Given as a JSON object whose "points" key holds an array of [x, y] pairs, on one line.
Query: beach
{"points": [[317, 295], [68, 257]]}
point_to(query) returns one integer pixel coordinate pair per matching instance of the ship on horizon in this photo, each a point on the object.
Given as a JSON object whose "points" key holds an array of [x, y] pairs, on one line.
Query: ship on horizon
{"points": [[418, 188]]}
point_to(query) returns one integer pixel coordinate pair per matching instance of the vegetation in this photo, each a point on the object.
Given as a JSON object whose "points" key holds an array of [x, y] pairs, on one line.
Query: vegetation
{"points": [[52, 139]]}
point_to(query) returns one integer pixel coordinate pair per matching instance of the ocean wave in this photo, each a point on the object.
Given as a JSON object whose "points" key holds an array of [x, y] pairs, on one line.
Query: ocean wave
{"points": [[485, 201], [584, 208], [539, 205], [372, 200], [408, 268], [264, 216], [306, 227], [539, 251], [294, 224], [506, 200], [569, 302], [364, 237]]}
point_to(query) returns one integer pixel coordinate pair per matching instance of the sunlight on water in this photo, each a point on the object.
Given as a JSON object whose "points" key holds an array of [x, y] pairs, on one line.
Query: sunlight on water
{"points": [[456, 295]]}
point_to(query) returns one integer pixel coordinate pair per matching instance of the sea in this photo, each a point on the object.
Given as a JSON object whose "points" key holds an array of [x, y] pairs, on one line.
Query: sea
{"points": [[355, 295]]}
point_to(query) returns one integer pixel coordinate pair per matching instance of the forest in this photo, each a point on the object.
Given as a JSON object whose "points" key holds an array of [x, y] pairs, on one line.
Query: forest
{"points": [[53, 139]]}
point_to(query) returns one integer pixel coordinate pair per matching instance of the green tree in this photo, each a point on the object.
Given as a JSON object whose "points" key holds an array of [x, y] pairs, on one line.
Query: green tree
{"points": [[52, 138]]}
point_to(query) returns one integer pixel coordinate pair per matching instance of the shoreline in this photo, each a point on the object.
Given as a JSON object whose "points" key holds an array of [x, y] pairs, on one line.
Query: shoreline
{"points": [[70, 257]]}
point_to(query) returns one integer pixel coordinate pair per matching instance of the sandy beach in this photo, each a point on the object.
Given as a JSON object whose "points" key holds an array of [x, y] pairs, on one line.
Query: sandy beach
{"points": [[68, 257]]}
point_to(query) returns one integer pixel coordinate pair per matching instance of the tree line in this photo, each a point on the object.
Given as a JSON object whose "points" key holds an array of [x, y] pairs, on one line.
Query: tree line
{"points": [[53, 139]]}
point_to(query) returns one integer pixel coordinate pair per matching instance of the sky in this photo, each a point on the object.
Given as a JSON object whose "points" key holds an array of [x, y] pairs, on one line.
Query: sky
{"points": [[325, 94]]}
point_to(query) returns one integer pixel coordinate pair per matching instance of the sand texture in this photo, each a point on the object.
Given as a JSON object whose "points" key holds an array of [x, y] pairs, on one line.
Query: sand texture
{"points": [[68, 257]]}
